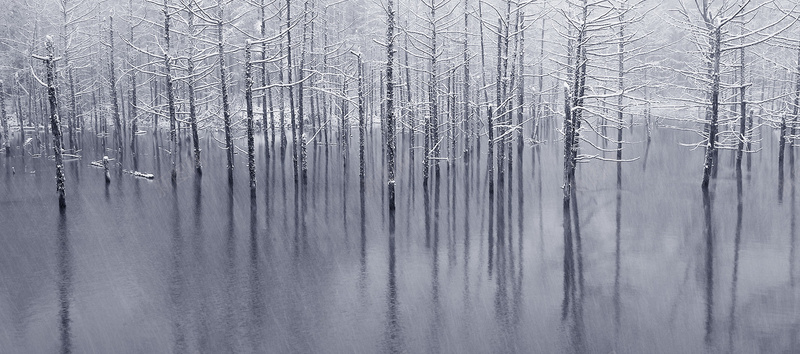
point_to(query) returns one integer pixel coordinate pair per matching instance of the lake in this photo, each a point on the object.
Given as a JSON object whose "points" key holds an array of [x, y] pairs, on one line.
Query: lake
{"points": [[204, 265]]}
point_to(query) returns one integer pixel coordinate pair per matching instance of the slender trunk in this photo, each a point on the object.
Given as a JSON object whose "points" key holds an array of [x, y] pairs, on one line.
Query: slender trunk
{"points": [[157, 100], [248, 93], [568, 141], [451, 114], [538, 112], [362, 128], [265, 82], [483, 54], [291, 87], [192, 109], [390, 142], [521, 88], [193, 119], [620, 86], [113, 84], [300, 98], [344, 129], [712, 129], [490, 156], [796, 109], [55, 121], [133, 101], [499, 102], [743, 103], [73, 111], [281, 92], [433, 95], [3, 116], [170, 93], [223, 85], [467, 124], [781, 154], [411, 118]]}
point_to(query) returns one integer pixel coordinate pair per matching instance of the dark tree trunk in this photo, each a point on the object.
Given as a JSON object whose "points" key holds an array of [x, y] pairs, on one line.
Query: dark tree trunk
{"points": [[712, 129], [291, 88], [248, 93], [113, 87], [133, 101], [170, 93], [390, 142], [192, 109], [55, 121], [362, 124], [3, 116], [265, 82], [621, 88], [223, 86]]}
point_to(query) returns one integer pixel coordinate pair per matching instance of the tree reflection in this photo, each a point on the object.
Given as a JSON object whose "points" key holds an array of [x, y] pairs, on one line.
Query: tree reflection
{"points": [[617, 251], [64, 257], [178, 278], [572, 303], [256, 304], [709, 264], [393, 335], [736, 244]]}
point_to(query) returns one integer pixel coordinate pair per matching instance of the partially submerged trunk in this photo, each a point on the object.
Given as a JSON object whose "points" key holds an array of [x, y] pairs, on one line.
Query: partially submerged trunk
{"points": [[170, 93], [712, 128], [248, 97], [192, 109], [133, 101], [55, 121], [113, 84], [223, 86], [621, 88], [265, 82], [362, 128], [466, 124], [390, 142], [293, 116], [4, 118]]}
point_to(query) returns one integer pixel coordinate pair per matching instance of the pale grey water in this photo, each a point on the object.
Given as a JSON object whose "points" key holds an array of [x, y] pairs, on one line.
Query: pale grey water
{"points": [[143, 266]]}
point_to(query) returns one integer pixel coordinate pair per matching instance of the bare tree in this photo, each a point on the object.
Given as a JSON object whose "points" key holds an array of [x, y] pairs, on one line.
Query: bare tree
{"points": [[390, 143], [248, 77], [4, 118], [55, 121], [710, 29]]}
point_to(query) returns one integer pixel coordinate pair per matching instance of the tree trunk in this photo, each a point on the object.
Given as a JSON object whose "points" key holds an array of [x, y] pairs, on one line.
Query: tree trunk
{"points": [[248, 93], [223, 86], [192, 109], [291, 88], [55, 121], [362, 128], [3, 116], [390, 142], [113, 84], [170, 93], [712, 131], [265, 82], [433, 96], [621, 88], [301, 97], [133, 99], [282, 95], [468, 126]]}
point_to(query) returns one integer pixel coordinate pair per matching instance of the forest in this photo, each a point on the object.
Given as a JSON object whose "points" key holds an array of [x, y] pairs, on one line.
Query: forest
{"points": [[336, 143]]}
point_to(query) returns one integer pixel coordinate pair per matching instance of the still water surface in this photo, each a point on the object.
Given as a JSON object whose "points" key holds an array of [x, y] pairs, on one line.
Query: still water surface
{"points": [[141, 266]]}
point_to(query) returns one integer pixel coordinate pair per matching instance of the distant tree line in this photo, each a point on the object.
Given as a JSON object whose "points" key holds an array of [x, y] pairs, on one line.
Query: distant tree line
{"points": [[444, 77]]}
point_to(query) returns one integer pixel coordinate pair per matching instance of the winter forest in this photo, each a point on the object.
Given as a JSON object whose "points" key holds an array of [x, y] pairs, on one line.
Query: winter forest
{"points": [[422, 176]]}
